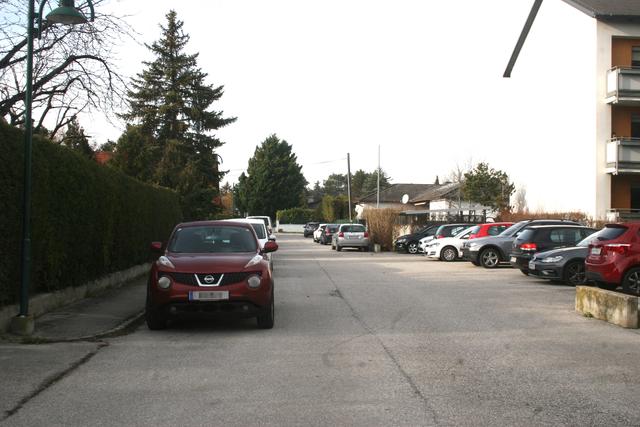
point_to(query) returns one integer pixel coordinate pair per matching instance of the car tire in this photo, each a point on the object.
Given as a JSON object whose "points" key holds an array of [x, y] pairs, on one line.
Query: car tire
{"points": [[412, 248], [448, 254], [267, 319], [574, 273], [154, 318], [525, 272], [489, 258], [607, 286], [631, 281], [366, 248], [338, 248]]}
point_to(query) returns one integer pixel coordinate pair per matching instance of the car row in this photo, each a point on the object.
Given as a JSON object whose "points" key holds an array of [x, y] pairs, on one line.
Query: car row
{"points": [[340, 236]]}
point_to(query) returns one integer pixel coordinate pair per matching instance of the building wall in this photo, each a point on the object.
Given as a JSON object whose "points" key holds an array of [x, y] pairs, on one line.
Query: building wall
{"points": [[605, 33], [621, 120]]}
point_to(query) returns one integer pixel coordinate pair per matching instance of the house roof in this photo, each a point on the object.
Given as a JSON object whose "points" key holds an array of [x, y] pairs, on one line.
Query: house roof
{"points": [[394, 193], [436, 192], [608, 10]]}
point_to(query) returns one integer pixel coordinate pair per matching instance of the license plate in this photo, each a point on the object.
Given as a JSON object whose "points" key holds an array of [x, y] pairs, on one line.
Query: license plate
{"points": [[513, 259], [596, 251], [532, 265], [208, 295]]}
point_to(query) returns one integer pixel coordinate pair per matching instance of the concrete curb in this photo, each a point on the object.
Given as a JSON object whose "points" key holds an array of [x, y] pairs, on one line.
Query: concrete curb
{"points": [[613, 307], [44, 303]]}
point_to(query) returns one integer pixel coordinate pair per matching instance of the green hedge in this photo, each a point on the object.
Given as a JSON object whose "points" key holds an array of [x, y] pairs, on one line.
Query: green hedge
{"points": [[297, 216], [88, 220]]}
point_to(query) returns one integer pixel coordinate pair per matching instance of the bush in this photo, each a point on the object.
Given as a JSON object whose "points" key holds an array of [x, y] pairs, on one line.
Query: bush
{"points": [[381, 225], [296, 216], [87, 220], [334, 208], [580, 217]]}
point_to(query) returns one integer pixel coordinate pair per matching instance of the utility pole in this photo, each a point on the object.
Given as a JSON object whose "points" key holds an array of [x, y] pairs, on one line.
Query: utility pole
{"points": [[378, 196], [349, 183]]}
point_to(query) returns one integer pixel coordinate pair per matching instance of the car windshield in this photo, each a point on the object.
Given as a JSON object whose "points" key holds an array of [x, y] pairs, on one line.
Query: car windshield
{"points": [[607, 233], [353, 228], [332, 228], [212, 239], [475, 229], [260, 230]]}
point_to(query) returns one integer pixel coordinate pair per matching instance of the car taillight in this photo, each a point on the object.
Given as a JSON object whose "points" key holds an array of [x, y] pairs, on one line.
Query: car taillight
{"points": [[366, 234], [341, 234], [439, 236], [617, 248], [472, 236], [327, 232], [529, 247]]}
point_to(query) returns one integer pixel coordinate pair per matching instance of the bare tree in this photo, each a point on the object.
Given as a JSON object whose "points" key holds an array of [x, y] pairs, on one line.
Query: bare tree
{"points": [[456, 175], [521, 199], [73, 67]]}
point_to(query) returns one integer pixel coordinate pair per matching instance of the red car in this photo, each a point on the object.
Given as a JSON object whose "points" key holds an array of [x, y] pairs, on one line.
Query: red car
{"points": [[489, 229], [211, 267], [614, 258]]}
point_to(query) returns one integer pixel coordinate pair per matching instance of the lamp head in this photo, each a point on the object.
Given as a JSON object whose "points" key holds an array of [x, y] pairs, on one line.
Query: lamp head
{"points": [[66, 13]]}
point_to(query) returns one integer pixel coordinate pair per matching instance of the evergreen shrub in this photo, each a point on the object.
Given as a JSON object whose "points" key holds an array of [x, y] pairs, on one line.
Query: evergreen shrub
{"points": [[87, 220], [297, 216]]}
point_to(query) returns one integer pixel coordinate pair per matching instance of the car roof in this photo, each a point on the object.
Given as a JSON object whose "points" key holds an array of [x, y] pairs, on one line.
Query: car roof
{"points": [[245, 220], [543, 226]]}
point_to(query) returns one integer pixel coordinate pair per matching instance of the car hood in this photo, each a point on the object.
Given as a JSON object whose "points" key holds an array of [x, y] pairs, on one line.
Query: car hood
{"points": [[210, 263], [575, 251], [445, 240]]}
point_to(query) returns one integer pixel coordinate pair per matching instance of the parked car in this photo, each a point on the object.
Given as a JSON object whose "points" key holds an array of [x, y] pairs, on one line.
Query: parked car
{"points": [[411, 242], [565, 264], [490, 251], [350, 236], [309, 228], [327, 234], [448, 248], [267, 222], [614, 258], [212, 267], [445, 230], [318, 232], [489, 229], [540, 238]]}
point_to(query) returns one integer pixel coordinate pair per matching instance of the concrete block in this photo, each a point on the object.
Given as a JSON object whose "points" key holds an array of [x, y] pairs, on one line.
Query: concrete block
{"points": [[614, 307], [22, 325]]}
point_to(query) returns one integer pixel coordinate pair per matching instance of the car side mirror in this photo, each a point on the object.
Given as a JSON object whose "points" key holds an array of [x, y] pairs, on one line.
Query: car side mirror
{"points": [[156, 247], [270, 246]]}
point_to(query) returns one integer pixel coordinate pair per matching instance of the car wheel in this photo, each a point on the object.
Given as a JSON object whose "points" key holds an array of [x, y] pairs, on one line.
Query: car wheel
{"points": [[607, 286], [412, 248], [366, 248], [338, 248], [631, 281], [266, 320], [489, 258], [574, 274], [525, 272], [155, 319], [448, 254]]}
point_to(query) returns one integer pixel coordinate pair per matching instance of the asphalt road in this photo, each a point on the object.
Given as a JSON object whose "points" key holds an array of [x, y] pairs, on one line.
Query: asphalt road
{"points": [[366, 339]]}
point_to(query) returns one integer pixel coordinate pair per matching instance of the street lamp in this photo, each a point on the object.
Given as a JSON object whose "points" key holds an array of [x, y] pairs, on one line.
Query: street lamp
{"points": [[66, 13]]}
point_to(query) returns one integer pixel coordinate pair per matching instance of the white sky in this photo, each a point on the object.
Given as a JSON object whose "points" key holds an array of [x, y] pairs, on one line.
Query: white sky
{"points": [[422, 79]]}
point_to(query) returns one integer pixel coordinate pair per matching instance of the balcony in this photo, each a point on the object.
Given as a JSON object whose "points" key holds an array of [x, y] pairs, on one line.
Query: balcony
{"points": [[623, 156], [623, 86], [623, 215]]}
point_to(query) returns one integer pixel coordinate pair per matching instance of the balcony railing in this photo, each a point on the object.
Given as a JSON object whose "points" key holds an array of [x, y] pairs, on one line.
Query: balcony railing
{"points": [[623, 155], [623, 86], [623, 215]]}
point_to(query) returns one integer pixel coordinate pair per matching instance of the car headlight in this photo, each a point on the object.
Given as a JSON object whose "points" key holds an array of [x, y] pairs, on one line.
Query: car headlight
{"points": [[433, 244], [401, 240], [253, 281], [165, 262], [551, 259], [473, 245], [164, 282]]}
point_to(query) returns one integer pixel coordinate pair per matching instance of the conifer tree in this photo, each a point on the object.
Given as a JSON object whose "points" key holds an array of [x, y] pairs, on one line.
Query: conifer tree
{"points": [[170, 102], [76, 139]]}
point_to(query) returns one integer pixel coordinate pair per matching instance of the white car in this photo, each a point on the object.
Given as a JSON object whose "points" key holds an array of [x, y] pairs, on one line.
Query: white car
{"points": [[267, 223], [422, 244], [447, 248], [318, 232]]}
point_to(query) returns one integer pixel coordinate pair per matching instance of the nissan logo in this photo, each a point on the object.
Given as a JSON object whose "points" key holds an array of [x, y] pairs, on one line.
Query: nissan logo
{"points": [[209, 279]]}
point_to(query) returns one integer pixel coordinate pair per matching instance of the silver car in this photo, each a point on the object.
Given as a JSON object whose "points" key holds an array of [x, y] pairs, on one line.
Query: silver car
{"points": [[350, 236]]}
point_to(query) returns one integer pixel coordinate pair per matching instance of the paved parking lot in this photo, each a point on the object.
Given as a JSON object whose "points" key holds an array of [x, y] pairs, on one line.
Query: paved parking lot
{"points": [[367, 339]]}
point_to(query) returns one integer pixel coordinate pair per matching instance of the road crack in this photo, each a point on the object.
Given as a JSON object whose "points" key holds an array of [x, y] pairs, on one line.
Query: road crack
{"points": [[51, 380], [370, 331]]}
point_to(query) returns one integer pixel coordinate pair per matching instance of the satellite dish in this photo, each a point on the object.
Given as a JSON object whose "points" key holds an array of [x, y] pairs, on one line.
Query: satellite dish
{"points": [[405, 199]]}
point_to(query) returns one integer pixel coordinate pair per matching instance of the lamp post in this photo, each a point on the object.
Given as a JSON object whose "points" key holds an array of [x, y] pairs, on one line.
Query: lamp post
{"points": [[66, 13]]}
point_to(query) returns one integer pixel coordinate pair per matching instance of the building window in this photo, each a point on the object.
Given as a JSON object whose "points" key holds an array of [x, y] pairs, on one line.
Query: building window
{"points": [[635, 56], [635, 125]]}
